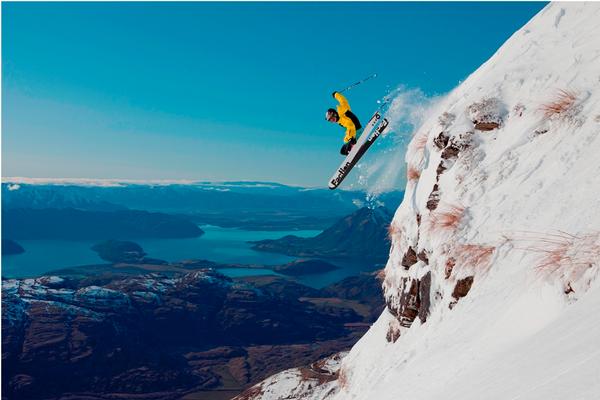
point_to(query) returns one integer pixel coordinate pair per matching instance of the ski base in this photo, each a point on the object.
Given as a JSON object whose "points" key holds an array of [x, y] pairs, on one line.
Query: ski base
{"points": [[357, 152]]}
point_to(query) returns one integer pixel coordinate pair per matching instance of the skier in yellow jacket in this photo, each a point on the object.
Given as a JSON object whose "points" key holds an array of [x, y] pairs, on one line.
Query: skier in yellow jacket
{"points": [[346, 118]]}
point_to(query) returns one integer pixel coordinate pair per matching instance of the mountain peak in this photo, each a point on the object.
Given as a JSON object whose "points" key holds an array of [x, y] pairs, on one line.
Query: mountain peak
{"points": [[360, 235]]}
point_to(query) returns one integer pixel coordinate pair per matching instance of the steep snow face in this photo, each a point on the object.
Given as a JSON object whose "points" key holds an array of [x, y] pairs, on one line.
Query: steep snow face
{"points": [[318, 382], [491, 282]]}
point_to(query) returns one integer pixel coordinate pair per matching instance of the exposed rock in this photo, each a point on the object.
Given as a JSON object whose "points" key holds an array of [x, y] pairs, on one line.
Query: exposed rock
{"points": [[441, 141], [460, 290], [462, 287], [450, 263], [450, 152], [424, 296], [568, 289], [410, 258], [422, 255], [486, 113], [409, 303], [440, 170], [456, 145], [434, 198], [486, 126], [393, 332]]}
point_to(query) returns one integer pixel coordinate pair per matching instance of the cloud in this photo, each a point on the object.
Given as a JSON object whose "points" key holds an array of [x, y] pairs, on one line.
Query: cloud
{"points": [[15, 182]]}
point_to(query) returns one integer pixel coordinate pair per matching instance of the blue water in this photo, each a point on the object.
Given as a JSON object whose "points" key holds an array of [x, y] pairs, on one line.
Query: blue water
{"points": [[222, 245], [240, 272]]}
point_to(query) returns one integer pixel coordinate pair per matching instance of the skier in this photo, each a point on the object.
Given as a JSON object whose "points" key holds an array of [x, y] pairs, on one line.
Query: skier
{"points": [[346, 118]]}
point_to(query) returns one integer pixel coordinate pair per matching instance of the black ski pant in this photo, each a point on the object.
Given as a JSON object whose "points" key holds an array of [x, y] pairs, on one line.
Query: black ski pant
{"points": [[345, 150]]}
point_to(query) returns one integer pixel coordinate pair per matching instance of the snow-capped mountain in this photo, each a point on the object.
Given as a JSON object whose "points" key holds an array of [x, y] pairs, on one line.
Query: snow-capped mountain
{"points": [[491, 284], [194, 197], [152, 336]]}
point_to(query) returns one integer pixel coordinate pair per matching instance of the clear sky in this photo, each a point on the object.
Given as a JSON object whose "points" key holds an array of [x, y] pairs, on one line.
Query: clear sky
{"points": [[219, 91]]}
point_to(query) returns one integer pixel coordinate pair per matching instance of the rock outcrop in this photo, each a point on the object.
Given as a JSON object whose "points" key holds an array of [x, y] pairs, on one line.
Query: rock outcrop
{"points": [[361, 235]]}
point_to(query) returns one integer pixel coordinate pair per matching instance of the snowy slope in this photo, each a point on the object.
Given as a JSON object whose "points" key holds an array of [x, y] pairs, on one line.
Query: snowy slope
{"points": [[491, 283]]}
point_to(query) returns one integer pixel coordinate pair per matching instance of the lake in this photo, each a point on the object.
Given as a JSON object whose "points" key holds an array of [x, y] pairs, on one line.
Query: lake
{"points": [[222, 245]]}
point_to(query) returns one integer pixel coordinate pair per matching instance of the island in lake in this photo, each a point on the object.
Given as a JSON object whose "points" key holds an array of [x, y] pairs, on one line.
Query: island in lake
{"points": [[361, 235]]}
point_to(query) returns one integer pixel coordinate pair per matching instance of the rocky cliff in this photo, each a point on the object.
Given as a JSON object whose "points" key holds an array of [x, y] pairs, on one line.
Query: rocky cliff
{"points": [[491, 285]]}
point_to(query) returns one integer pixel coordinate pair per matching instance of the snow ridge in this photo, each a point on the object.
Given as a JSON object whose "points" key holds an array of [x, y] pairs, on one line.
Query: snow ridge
{"points": [[491, 283]]}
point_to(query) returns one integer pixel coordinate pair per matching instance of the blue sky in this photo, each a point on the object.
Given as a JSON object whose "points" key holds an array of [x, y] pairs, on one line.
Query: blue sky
{"points": [[219, 91]]}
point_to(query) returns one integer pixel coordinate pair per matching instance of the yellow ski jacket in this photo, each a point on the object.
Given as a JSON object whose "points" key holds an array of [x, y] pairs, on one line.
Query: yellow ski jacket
{"points": [[347, 118]]}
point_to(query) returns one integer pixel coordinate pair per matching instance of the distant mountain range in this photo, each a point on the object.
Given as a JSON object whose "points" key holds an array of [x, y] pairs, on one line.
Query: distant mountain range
{"points": [[361, 235], [70, 223], [252, 205], [161, 337], [115, 330]]}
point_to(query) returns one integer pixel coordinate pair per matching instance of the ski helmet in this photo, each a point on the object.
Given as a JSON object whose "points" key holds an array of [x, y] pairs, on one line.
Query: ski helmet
{"points": [[331, 113]]}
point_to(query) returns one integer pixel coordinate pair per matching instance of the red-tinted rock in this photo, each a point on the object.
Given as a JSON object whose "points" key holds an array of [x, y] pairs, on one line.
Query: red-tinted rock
{"points": [[450, 152], [450, 263], [410, 258], [462, 287], [434, 198], [486, 126], [440, 170], [424, 296]]}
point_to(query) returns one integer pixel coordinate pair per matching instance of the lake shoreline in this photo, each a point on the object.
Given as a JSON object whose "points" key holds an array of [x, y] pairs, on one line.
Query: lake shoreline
{"points": [[227, 249]]}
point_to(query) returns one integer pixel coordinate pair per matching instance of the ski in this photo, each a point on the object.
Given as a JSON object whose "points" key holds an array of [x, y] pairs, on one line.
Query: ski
{"points": [[361, 147]]}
